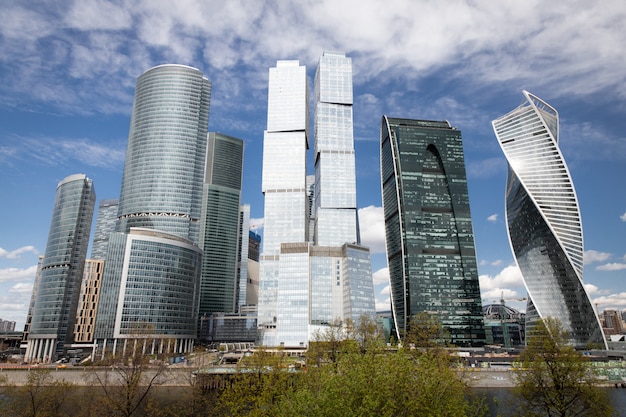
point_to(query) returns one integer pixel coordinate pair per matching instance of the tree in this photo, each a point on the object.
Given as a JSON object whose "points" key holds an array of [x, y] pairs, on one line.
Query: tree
{"points": [[126, 381], [258, 386], [41, 396], [425, 331], [555, 380]]}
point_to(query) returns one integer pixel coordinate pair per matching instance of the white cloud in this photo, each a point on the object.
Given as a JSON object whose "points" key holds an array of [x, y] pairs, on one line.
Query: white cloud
{"points": [[18, 274], [385, 291], [611, 302], [15, 254], [496, 295], [591, 256], [381, 276], [493, 218], [623, 217], [591, 289], [257, 224], [614, 266], [510, 276], [383, 304], [59, 151], [121, 40], [372, 223], [14, 304], [97, 14]]}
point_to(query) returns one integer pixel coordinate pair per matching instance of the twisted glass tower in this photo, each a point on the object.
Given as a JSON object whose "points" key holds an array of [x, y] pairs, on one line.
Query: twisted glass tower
{"points": [[543, 219]]}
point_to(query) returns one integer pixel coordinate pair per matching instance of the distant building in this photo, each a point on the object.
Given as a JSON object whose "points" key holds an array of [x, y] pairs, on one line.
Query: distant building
{"points": [[7, 326], [105, 225], [219, 236], [57, 293], [543, 219], [243, 247], [88, 302], [429, 235], [504, 325], [612, 323], [151, 283]]}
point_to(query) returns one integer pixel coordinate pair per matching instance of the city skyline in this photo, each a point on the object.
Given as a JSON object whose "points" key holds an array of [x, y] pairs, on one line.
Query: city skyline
{"points": [[69, 81]]}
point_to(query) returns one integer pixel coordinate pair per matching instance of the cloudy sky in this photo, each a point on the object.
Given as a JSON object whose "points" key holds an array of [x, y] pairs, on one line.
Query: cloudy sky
{"points": [[68, 71]]}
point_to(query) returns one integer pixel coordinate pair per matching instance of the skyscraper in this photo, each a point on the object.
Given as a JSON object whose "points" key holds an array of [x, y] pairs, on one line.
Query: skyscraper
{"points": [[151, 282], [307, 282], [54, 311], [163, 176], [335, 177], [105, 225], [429, 236], [220, 224], [285, 143], [543, 219]]}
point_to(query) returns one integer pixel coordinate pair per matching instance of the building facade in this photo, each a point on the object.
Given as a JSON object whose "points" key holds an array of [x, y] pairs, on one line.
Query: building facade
{"points": [[428, 227], [88, 301], [163, 177], [543, 219], [151, 282], [219, 239], [105, 225], [313, 270], [54, 311], [285, 143], [335, 172]]}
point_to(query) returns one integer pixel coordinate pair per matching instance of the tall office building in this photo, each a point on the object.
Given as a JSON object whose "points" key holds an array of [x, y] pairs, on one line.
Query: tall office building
{"points": [[543, 219], [308, 281], [243, 249], [88, 301], [285, 143], [429, 236], [335, 176], [105, 225], [151, 281], [54, 311], [220, 224]]}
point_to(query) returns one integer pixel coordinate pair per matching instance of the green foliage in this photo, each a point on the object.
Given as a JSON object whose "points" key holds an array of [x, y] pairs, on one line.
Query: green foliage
{"points": [[555, 379], [425, 331], [350, 373]]}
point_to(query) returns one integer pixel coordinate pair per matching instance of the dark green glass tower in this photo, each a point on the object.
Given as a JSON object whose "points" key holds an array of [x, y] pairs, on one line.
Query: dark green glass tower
{"points": [[220, 224], [429, 236]]}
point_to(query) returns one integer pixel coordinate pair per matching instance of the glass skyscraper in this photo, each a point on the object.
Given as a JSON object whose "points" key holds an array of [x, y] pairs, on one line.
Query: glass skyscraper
{"points": [[220, 224], [309, 281], [151, 282], [543, 219], [335, 177], [164, 167], [56, 296], [285, 143], [429, 236], [105, 225]]}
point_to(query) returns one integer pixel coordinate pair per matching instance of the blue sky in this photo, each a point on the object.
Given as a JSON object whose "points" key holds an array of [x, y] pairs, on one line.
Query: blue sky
{"points": [[68, 71]]}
